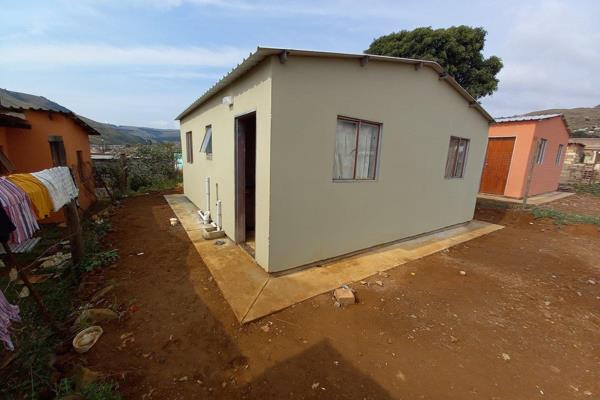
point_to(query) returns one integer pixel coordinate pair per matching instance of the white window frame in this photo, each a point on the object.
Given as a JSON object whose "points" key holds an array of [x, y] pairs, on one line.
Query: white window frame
{"points": [[453, 173], [376, 167], [542, 144]]}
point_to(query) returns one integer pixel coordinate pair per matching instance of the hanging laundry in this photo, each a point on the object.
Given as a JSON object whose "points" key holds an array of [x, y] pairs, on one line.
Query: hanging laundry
{"points": [[19, 210], [37, 192], [60, 185], [6, 226], [8, 313]]}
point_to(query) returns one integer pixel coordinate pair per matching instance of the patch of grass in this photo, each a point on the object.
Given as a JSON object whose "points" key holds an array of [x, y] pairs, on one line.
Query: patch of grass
{"points": [[95, 254], [99, 260], [35, 343], [158, 186], [593, 189], [563, 218], [94, 391]]}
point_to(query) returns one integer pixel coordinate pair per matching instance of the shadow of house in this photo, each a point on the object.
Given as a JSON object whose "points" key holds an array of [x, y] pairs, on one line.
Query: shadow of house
{"points": [[298, 376]]}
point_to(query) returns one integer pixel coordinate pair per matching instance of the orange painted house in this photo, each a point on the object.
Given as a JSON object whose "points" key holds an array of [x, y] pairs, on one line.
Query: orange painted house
{"points": [[36, 133], [524, 153]]}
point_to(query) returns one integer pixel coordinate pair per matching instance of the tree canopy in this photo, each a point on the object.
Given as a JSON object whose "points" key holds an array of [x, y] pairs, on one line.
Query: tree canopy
{"points": [[458, 49]]}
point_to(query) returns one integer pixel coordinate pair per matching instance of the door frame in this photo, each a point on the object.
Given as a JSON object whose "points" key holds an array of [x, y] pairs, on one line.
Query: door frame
{"points": [[240, 176], [512, 159]]}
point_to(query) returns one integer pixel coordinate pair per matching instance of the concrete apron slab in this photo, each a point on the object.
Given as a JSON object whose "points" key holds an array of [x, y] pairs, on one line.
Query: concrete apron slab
{"points": [[252, 293], [533, 200]]}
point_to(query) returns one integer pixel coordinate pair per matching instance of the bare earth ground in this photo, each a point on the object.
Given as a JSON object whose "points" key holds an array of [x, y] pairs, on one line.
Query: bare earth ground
{"points": [[583, 204], [524, 323]]}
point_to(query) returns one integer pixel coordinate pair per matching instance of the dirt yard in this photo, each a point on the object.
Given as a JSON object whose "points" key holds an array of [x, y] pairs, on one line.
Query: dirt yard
{"points": [[523, 323], [583, 204]]}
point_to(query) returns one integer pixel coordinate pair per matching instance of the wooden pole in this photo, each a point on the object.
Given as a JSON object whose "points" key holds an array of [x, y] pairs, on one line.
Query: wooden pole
{"points": [[36, 296], [74, 226]]}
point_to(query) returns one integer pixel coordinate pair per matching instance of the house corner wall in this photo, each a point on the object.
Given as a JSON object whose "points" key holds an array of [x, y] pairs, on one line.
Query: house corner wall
{"points": [[546, 176], [250, 93]]}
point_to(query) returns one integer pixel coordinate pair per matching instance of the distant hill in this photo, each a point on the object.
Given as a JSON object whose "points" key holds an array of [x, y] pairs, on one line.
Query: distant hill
{"points": [[118, 134], [112, 134], [583, 121]]}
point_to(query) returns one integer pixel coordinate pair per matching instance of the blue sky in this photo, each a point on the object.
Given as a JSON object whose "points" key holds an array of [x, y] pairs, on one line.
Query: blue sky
{"points": [[140, 62]]}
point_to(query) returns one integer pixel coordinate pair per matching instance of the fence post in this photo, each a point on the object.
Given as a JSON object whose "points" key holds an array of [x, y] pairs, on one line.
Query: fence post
{"points": [[74, 225]]}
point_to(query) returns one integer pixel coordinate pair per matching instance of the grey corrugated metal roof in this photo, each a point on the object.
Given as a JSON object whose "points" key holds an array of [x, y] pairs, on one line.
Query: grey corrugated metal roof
{"points": [[519, 118], [17, 101], [263, 52], [23, 101]]}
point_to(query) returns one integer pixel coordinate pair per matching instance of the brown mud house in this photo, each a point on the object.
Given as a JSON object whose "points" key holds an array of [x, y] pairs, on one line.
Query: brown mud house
{"points": [[313, 155], [36, 133], [582, 161]]}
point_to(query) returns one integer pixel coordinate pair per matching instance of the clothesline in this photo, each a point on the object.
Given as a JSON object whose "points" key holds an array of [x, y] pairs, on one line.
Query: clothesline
{"points": [[25, 199]]}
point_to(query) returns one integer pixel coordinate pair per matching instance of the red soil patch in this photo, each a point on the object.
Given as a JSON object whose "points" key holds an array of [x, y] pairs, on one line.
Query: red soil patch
{"points": [[428, 333]]}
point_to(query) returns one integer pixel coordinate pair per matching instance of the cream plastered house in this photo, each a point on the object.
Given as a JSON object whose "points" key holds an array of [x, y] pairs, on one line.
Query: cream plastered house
{"points": [[314, 155]]}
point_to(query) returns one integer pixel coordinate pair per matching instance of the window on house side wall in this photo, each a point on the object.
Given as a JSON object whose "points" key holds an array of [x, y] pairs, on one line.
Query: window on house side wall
{"points": [[356, 149], [189, 147], [206, 146], [457, 157], [559, 154], [57, 151], [541, 151]]}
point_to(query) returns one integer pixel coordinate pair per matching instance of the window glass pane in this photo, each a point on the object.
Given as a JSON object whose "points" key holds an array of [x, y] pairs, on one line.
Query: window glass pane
{"points": [[345, 149], [207, 142], [460, 158], [559, 154], [451, 161], [189, 149], [366, 158], [541, 151]]}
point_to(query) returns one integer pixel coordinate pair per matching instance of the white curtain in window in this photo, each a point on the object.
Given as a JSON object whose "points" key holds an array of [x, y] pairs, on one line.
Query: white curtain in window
{"points": [[345, 147], [367, 151], [451, 161]]}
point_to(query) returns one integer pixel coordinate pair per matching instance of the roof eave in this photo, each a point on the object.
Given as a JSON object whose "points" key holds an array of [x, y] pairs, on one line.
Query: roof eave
{"points": [[262, 52]]}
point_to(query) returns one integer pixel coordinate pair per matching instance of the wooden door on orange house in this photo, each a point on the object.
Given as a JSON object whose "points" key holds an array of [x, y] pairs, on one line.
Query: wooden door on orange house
{"points": [[497, 165]]}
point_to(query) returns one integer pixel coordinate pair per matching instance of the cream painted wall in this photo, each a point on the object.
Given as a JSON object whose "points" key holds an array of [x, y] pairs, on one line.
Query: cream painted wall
{"points": [[250, 93], [313, 218]]}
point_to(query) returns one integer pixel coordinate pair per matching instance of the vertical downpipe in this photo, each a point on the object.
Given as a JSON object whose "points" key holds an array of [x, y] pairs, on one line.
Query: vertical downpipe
{"points": [[219, 227], [207, 193]]}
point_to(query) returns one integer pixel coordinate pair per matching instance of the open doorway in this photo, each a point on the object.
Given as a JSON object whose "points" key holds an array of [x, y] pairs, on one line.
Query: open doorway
{"points": [[245, 180]]}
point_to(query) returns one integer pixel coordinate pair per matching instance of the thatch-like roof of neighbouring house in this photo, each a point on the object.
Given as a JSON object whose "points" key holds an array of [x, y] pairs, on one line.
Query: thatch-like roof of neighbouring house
{"points": [[19, 102], [263, 52]]}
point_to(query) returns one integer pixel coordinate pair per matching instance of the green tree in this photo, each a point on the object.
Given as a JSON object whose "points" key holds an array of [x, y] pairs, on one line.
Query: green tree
{"points": [[457, 49]]}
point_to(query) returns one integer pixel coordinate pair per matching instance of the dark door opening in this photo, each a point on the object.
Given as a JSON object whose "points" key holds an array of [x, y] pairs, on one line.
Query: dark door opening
{"points": [[245, 179]]}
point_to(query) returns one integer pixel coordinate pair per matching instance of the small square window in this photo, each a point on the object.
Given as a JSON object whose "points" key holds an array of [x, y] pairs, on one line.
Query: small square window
{"points": [[457, 157], [356, 148]]}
